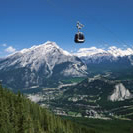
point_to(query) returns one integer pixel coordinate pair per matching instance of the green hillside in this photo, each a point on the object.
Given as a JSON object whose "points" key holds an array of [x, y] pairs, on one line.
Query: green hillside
{"points": [[20, 115]]}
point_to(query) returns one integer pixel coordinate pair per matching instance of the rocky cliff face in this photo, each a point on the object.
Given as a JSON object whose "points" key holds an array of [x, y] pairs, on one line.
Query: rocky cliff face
{"points": [[120, 93]]}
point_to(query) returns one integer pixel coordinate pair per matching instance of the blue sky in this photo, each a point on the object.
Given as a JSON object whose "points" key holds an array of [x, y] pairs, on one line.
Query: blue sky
{"points": [[24, 23]]}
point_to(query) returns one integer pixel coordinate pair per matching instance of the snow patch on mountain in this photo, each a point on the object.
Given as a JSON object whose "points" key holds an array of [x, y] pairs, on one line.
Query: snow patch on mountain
{"points": [[113, 50], [119, 52], [120, 93], [89, 51]]}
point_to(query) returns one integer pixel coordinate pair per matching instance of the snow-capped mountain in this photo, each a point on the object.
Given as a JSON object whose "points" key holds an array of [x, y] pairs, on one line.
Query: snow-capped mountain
{"points": [[48, 53], [41, 64], [118, 52], [34, 65], [100, 61], [113, 50], [110, 56], [88, 52]]}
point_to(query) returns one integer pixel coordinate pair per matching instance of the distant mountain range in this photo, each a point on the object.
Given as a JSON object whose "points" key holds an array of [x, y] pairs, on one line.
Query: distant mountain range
{"points": [[112, 55], [114, 60], [113, 50], [46, 64]]}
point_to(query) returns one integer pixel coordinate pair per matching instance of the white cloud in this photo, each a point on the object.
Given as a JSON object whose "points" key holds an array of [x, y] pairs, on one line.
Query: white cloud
{"points": [[10, 49], [4, 45]]}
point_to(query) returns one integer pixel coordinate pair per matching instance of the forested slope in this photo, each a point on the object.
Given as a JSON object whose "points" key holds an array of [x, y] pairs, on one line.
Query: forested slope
{"points": [[20, 115]]}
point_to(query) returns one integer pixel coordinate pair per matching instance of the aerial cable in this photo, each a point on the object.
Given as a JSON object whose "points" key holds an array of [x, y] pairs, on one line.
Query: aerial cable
{"points": [[117, 39], [106, 29]]}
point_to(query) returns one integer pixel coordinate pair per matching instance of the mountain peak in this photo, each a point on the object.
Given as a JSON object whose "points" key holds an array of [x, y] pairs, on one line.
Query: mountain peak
{"points": [[46, 45], [50, 44]]}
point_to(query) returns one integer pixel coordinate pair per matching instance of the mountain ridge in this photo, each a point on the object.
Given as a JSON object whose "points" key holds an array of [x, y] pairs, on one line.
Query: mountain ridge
{"points": [[47, 64], [34, 66], [112, 50]]}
